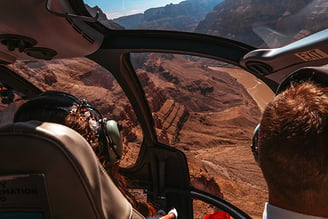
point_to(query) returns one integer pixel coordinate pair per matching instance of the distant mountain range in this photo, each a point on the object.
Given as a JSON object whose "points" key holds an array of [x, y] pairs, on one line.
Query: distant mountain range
{"points": [[184, 16], [265, 22], [260, 23]]}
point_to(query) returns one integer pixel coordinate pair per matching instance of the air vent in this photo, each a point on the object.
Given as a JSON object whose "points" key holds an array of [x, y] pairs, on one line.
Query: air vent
{"points": [[259, 68], [41, 53], [77, 29], [13, 41]]}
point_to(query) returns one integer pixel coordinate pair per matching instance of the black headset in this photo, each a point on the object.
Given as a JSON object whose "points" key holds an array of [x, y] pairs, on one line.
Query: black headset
{"points": [[108, 131], [315, 74]]}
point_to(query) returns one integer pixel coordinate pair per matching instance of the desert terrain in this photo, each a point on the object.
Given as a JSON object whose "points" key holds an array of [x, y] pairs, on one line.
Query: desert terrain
{"points": [[232, 166], [223, 108], [207, 112]]}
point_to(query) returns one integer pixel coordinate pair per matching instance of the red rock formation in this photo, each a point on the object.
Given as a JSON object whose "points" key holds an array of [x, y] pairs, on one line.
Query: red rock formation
{"points": [[172, 116], [195, 109]]}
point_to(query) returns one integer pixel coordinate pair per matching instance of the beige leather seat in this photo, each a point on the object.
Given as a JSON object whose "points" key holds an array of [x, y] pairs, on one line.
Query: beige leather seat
{"points": [[48, 170]]}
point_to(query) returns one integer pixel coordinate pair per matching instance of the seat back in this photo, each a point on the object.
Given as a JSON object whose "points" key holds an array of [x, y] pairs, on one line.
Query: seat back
{"points": [[48, 170]]}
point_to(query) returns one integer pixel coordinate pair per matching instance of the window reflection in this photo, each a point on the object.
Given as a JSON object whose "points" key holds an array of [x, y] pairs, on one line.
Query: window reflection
{"points": [[208, 110]]}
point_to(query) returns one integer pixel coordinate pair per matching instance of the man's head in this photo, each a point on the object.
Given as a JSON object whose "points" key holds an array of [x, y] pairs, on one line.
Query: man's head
{"points": [[293, 148]]}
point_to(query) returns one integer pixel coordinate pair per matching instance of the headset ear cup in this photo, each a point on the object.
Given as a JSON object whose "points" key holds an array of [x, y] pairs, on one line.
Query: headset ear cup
{"points": [[115, 150]]}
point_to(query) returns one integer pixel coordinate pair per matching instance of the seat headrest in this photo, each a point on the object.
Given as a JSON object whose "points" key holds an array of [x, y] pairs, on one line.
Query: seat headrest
{"points": [[65, 169]]}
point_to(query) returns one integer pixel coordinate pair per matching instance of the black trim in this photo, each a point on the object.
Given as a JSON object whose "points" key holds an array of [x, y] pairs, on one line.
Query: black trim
{"points": [[176, 42], [203, 45], [13, 80], [120, 67], [114, 56]]}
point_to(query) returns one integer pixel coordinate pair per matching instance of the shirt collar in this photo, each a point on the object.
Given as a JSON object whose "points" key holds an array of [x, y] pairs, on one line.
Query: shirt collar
{"points": [[273, 212]]}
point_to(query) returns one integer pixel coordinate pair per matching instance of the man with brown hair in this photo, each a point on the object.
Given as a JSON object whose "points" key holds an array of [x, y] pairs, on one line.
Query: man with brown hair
{"points": [[293, 152]]}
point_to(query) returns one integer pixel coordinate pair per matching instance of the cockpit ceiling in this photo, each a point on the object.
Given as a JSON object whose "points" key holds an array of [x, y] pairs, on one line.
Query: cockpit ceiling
{"points": [[31, 31]]}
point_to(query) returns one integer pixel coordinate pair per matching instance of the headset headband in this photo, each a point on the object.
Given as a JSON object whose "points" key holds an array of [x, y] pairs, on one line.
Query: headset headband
{"points": [[108, 130], [316, 74]]}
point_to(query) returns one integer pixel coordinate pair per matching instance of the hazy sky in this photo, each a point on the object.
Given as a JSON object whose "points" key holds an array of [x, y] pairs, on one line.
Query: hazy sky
{"points": [[118, 8]]}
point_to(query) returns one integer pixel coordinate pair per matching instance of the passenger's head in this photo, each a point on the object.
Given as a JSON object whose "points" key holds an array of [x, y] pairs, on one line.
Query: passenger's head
{"points": [[63, 108], [102, 134], [293, 148]]}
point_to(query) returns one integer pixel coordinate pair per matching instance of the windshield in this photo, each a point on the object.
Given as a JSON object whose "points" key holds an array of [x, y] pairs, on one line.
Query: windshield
{"points": [[205, 108], [260, 23], [208, 110]]}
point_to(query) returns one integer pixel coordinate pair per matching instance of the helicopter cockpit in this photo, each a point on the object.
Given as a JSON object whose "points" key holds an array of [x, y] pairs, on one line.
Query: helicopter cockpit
{"points": [[187, 81]]}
